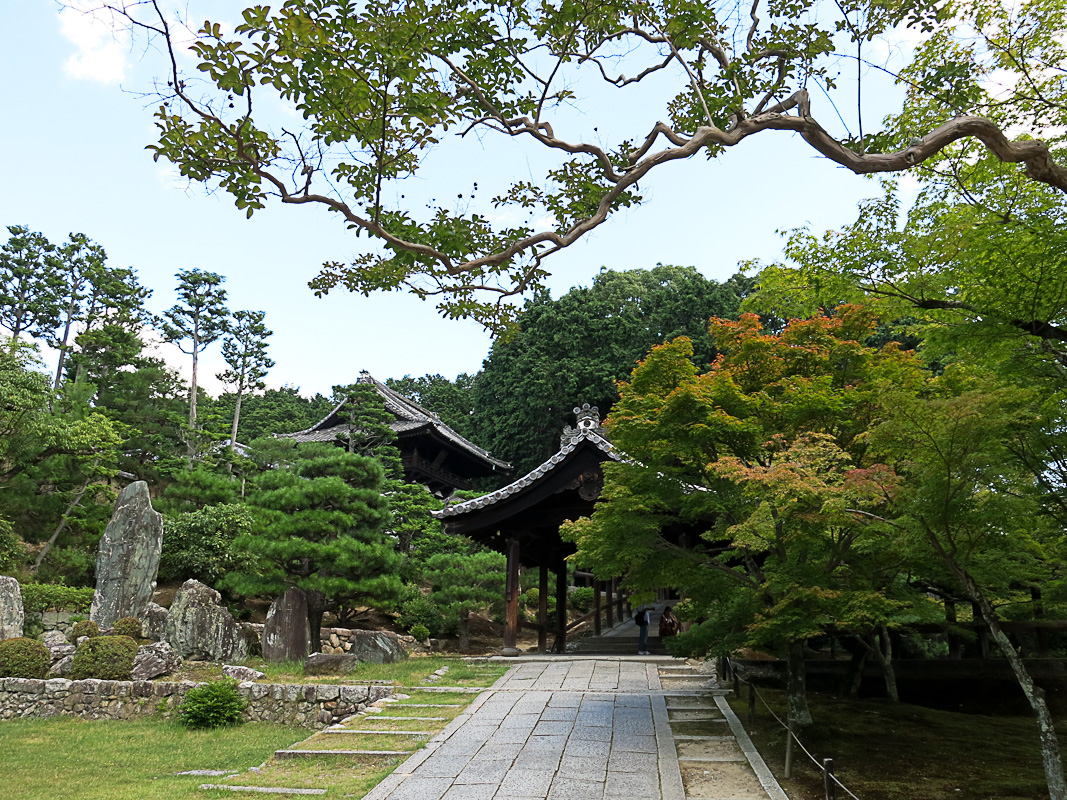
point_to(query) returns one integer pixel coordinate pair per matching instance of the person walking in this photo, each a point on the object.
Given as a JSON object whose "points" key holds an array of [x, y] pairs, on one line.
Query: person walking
{"points": [[643, 617]]}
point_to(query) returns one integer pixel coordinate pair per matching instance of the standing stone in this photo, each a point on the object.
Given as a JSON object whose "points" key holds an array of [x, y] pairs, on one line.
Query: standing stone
{"points": [[287, 632], [153, 660], [377, 647], [11, 613], [154, 622], [128, 558], [201, 628]]}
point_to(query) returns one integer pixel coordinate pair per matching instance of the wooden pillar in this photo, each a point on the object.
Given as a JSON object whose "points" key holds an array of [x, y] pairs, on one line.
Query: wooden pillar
{"points": [[561, 608], [542, 609], [618, 601], [511, 599], [596, 607], [610, 586]]}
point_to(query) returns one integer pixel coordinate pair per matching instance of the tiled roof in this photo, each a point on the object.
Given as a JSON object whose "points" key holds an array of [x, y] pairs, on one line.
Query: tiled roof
{"points": [[409, 416], [570, 442]]}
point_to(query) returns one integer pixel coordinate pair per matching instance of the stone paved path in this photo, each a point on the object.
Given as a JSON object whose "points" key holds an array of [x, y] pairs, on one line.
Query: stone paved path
{"points": [[562, 730]]}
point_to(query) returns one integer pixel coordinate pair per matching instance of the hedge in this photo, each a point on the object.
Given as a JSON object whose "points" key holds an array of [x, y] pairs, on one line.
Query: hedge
{"points": [[40, 597]]}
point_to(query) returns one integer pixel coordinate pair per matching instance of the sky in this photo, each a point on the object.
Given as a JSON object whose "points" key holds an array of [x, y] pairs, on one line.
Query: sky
{"points": [[73, 135]]}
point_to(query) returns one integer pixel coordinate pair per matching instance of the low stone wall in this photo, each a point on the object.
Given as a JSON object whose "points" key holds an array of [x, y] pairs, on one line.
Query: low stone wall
{"points": [[312, 705], [61, 621]]}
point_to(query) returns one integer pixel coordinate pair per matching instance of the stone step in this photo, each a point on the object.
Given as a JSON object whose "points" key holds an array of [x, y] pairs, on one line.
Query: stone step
{"points": [[377, 717], [260, 789], [307, 753]]}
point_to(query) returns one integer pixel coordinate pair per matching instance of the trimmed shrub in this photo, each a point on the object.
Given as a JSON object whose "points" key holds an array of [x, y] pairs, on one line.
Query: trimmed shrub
{"points": [[422, 611], [24, 658], [127, 626], [420, 632], [581, 598], [40, 597], [212, 705], [109, 658], [85, 627]]}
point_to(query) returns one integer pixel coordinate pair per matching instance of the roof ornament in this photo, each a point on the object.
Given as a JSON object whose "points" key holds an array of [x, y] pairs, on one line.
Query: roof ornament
{"points": [[588, 422]]}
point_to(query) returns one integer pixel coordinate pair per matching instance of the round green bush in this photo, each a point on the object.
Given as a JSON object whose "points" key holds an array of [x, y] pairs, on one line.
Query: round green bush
{"points": [[420, 632], [109, 658], [212, 705], [24, 658], [85, 627], [127, 626]]}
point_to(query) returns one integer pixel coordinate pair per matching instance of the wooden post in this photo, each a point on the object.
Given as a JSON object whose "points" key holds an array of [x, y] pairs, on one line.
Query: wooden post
{"points": [[511, 599], [829, 785], [789, 752], [542, 609], [751, 703], [596, 607], [618, 601], [561, 607], [611, 606]]}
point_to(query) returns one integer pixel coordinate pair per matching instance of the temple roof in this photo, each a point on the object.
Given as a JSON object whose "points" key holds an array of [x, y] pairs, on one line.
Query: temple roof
{"points": [[411, 418], [587, 435]]}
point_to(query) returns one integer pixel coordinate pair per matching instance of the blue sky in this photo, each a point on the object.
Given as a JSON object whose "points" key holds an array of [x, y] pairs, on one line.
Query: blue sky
{"points": [[73, 140]]}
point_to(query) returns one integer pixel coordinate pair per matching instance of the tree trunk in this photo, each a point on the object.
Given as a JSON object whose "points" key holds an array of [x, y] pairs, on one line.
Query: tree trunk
{"points": [[316, 609], [464, 629], [796, 685], [1035, 695], [854, 676], [236, 419], [879, 645], [192, 408], [62, 523]]}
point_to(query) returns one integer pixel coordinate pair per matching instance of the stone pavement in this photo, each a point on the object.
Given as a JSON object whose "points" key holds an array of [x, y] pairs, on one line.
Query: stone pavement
{"points": [[593, 729]]}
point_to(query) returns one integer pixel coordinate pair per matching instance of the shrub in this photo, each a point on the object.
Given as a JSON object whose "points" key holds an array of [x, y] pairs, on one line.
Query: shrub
{"points": [[212, 705], [109, 658], [422, 611], [127, 626], [420, 632], [198, 544], [41, 597], [581, 598], [85, 627], [24, 658]]}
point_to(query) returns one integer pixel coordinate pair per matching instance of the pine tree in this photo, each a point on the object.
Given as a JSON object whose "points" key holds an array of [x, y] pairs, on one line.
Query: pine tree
{"points": [[245, 351]]}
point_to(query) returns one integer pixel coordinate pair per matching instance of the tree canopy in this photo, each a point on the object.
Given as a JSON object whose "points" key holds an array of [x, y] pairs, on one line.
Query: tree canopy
{"points": [[380, 92]]}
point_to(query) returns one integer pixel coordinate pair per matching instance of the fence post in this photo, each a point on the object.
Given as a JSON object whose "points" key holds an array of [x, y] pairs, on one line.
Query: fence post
{"points": [[789, 751], [751, 703], [829, 785]]}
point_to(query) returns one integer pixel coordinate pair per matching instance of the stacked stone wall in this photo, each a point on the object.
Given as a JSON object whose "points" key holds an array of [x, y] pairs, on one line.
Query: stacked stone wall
{"points": [[311, 705], [341, 640]]}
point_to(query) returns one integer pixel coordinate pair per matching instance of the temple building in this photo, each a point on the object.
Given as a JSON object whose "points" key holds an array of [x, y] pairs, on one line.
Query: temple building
{"points": [[432, 453]]}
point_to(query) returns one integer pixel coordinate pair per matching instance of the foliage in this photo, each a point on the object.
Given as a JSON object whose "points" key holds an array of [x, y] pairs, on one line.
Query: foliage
{"points": [[212, 705], [319, 526], [421, 611], [464, 583], [24, 658], [452, 401], [41, 597], [108, 658], [195, 490], [281, 410], [378, 92], [574, 349], [581, 598], [199, 544], [30, 286], [420, 632], [12, 552], [127, 626], [84, 627]]}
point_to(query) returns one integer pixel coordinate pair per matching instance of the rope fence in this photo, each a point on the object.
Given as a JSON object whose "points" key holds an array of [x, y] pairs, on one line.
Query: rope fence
{"points": [[829, 780]]}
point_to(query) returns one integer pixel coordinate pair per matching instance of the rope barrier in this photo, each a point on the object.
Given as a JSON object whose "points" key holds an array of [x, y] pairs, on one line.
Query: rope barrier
{"points": [[778, 719]]}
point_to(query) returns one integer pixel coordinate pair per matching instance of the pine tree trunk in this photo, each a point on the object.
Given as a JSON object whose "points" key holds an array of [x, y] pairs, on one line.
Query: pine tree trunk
{"points": [[316, 609], [236, 419], [796, 685], [464, 629], [192, 408], [63, 348]]}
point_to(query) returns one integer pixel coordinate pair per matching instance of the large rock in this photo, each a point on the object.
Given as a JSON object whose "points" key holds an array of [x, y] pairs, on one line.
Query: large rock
{"points": [[11, 613], [201, 628], [153, 660], [128, 558], [377, 647], [154, 622], [330, 664], [240, 673], [287, 632]]}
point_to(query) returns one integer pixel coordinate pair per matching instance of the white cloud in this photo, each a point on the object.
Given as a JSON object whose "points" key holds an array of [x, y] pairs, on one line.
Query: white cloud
{"points": [[101, 43]]}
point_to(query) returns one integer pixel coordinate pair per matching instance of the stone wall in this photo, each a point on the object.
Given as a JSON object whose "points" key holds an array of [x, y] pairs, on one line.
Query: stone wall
{"points": [[313, 705], [341, 640], [61, 621]]}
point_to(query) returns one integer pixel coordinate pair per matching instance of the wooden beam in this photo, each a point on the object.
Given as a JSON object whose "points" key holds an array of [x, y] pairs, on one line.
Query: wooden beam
{"points": [[511, 599], [542, 609]]}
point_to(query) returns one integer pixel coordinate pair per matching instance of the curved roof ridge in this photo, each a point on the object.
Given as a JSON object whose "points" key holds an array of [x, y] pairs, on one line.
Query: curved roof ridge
{"points": [[534, 475]]}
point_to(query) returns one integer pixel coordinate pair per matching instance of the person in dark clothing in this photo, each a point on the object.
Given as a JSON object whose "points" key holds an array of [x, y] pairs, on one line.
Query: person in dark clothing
{"points": [[669, 625], [642, 618]]}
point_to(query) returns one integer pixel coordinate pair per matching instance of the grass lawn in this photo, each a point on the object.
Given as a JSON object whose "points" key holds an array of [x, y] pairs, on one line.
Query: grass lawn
{"points": [[883, 751], [74, 759]]}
